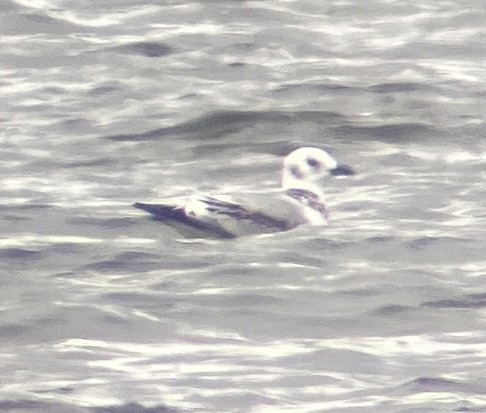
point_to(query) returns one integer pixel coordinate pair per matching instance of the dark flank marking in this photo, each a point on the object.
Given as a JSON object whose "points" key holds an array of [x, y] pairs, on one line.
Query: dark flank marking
{"points": [[237, 211], [309, 199], [172, 213]]}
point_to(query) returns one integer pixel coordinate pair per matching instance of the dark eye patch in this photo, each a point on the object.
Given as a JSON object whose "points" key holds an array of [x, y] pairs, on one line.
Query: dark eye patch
{"points": [[313, 163], [295, 171]]}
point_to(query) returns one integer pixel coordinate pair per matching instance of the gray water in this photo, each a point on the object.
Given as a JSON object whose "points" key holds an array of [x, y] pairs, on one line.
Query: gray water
{"points": [[110, 102]]}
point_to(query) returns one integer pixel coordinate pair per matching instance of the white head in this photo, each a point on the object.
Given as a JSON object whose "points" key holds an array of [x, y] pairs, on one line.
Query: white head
{"points": [[306, 167]]}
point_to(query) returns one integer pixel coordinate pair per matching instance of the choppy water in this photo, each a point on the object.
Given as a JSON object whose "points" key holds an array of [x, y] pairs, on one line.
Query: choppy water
{"points": [[110, 102]]}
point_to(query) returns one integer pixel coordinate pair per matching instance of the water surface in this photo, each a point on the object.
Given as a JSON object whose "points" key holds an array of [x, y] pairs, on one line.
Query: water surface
{"points": [[104, 310]]}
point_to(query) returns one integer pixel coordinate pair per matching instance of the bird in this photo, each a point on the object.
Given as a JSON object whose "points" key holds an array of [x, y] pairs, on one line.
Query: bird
{"points": [[299, 201]]}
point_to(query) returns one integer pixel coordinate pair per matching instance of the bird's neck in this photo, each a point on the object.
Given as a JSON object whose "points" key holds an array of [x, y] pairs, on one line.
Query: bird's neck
{"points": [[309, 199], [303, 186]]}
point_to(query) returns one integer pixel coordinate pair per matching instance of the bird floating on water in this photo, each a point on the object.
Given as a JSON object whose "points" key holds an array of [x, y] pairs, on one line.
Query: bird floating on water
{"points": [[300, 201]]}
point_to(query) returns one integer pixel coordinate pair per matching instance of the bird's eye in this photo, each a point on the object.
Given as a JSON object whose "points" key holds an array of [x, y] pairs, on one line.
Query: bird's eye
{"points": [[313, 163]]}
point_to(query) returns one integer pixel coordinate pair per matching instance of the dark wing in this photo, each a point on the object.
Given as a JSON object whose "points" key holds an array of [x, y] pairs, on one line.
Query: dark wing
{"points": [[239, 212], [160, 211], [173, 213]]}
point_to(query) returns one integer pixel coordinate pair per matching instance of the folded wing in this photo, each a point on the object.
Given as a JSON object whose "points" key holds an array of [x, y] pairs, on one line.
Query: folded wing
{"points": [[239, 212], [228, 218], [177, 215]]}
